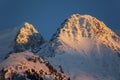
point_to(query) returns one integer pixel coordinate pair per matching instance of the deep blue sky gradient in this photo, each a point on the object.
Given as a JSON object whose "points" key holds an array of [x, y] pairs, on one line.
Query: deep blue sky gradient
{"points": [[47, 15]]}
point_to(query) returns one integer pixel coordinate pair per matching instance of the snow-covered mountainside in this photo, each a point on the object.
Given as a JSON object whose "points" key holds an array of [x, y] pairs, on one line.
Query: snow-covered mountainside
{"points": [[27, 66], [85, 48], [78, 27], [28, 38]]}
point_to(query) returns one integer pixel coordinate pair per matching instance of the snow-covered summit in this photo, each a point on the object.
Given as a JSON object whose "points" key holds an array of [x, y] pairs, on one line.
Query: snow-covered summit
{"points": [[26, 31], [78, 27], [28, 38]]}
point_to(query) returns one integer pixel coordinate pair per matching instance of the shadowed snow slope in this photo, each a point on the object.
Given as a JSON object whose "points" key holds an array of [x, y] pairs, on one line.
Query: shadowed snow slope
{"points": [[85, 48], [7, 41], [27, 66]]}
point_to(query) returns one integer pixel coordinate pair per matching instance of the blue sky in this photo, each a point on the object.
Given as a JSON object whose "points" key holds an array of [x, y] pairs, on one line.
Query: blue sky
{"points": [[47, 15]]}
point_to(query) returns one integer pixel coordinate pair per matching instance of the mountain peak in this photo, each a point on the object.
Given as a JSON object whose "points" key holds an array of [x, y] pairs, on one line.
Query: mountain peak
{"points": [[28, 38], [83, 45], [25, 31], [78, 27], [83, 26]]}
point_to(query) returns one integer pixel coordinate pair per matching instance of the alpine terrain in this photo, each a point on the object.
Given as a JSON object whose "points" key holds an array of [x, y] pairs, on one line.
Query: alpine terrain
{"points": [[82, 48], [20, 39]]}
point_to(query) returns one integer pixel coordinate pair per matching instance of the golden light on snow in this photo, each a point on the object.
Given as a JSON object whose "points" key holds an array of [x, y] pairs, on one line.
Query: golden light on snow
{"points": [[25, 32]]}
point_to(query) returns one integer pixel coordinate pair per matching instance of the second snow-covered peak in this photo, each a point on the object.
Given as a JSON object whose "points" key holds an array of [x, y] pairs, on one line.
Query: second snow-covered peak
{"points": [[25, 31], [28, 38]]}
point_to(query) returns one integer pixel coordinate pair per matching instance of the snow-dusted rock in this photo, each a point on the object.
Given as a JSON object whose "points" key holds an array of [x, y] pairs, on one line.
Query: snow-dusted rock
{"points": [[27, 66]]}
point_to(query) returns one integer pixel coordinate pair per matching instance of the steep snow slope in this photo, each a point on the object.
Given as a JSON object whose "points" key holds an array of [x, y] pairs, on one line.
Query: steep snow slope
{"points": [[85, 48], [27, 66], [102, 64]]}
